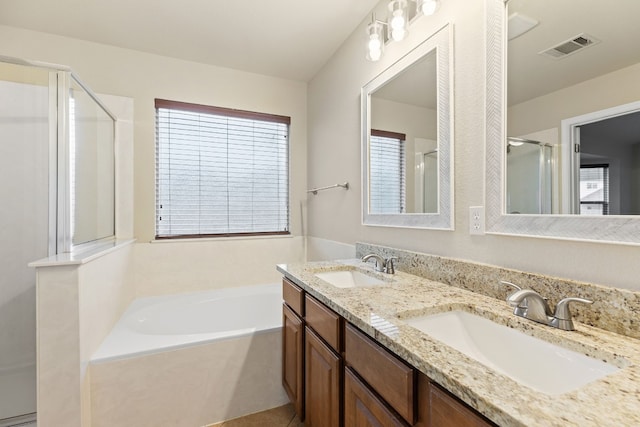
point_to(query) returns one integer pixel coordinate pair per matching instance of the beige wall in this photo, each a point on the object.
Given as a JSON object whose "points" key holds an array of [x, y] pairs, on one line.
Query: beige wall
{"points": [[143, 77], [333, 115], [606, 91], [334, 153]]}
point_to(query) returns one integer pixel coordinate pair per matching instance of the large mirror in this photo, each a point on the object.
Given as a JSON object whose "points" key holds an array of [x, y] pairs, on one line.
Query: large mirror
{"points": [[406, 140], [563, 141]]}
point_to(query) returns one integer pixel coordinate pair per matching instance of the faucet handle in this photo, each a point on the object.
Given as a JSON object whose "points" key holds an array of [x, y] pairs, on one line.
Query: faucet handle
{"points": [[389, 266], [516, 287], [562, 309]]}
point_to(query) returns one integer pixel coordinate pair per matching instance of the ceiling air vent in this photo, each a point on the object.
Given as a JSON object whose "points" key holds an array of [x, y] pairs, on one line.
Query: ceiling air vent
{"points": [[570, 46]]}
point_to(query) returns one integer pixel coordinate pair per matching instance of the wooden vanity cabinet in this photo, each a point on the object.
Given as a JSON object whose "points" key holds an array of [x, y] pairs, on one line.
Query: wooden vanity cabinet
{"points": [[293, 345], [336, 375], [383, 390], [391, 378]]}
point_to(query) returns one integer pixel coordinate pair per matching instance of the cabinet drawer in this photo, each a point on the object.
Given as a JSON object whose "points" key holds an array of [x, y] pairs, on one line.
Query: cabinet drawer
{"points": [[447, 411], [293, 296], [325, 322], [391, 378], [362, 408]]}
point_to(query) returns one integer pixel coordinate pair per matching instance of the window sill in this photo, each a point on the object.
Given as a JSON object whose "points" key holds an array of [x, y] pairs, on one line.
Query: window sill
{"points": [[226, 238]]}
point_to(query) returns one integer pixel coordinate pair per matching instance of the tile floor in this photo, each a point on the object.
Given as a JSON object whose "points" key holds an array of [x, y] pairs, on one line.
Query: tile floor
{"points": [[282, 416]]}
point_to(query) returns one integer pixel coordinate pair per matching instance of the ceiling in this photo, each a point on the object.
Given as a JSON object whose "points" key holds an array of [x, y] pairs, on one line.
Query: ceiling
{"points": [[417, 85], [291, 39]]}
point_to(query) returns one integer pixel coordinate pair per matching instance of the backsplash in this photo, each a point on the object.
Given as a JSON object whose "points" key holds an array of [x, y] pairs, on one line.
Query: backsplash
{"points": [[613, 309]]}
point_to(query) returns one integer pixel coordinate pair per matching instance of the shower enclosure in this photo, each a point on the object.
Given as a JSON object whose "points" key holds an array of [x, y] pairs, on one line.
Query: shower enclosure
{"points": [[426, 181], [57, 191], [529, 177]]}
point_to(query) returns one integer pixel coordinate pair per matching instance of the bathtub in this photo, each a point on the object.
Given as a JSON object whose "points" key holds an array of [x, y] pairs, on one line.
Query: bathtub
{"points": [[154, 324], [190, 359]]}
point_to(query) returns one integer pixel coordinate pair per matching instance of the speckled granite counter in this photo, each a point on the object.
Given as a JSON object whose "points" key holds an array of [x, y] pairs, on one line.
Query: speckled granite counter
{"points": [[378, 310]]}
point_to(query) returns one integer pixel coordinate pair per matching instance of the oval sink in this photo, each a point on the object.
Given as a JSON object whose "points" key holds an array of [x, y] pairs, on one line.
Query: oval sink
{"points": [[535, 363], [349, 279]]}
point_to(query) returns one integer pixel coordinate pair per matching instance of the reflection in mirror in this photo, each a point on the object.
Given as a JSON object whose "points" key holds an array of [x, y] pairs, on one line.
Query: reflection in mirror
{"points": [[406, 140], [529, 176], [405, 159], [572, 96]]}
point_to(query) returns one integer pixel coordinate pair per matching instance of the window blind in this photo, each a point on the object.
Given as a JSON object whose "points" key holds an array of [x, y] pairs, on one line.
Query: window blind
{"points": [[386, 172], [220, 171], [594, 190]]}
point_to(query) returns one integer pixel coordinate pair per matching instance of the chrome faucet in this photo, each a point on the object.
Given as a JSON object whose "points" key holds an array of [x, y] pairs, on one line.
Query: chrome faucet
{"points": [[382, 265], [531, 305]]}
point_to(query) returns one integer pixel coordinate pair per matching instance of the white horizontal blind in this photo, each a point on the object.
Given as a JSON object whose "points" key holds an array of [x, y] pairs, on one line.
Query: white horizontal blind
{"points": [[220, 171], [386, 173], [594, 190]]}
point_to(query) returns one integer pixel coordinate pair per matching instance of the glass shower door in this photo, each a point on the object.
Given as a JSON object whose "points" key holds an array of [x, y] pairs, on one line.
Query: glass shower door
{"points": [[529, 177], [24, 230]]}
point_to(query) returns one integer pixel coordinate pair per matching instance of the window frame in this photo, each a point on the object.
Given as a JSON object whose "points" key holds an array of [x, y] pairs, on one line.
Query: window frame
{"points": [[232, 113]]}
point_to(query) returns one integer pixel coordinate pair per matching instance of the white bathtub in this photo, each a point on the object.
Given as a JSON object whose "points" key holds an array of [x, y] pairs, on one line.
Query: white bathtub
{"points": [[154, 324], [190, 359]]}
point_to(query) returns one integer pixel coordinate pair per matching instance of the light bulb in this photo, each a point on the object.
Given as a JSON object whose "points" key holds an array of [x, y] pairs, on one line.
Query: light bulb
{"points": [[397, 22], [429, 7], [398, 34], [374, 42], [374, 55]]}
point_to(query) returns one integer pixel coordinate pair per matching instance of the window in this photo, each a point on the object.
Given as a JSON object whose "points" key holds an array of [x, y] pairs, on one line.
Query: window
{"points": [[220, 172], [387, 172], [594, 190]]}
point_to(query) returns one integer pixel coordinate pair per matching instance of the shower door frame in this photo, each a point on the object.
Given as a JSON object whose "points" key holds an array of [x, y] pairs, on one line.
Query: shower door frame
{"points": [[60, 227]]}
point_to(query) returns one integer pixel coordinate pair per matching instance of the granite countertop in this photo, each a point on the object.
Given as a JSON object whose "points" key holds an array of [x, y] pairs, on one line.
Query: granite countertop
{"points": [[378, 310]]}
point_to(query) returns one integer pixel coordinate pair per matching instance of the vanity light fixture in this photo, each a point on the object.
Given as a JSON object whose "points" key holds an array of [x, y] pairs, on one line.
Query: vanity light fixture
{"points": [[398, 20], [375, 42], [397, 24]]}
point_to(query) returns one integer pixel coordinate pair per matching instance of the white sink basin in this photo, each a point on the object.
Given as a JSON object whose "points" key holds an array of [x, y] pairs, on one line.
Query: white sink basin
{"points": [[533, 362], [349, 279]]}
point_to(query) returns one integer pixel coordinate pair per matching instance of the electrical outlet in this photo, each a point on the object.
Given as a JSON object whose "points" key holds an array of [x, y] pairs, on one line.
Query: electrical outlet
{"points": [[476, 219]]}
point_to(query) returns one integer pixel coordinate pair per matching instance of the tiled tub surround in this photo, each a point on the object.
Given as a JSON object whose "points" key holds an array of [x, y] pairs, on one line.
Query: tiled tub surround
{"points": [[613, 309], [190, 359], [191, 386], [379, 310]]}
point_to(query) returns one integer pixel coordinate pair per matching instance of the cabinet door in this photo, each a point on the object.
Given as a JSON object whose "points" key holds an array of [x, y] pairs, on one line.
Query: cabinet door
{"points": [[447, 411], [362, 408], [385, 373], [292, 358], [323, 370]]}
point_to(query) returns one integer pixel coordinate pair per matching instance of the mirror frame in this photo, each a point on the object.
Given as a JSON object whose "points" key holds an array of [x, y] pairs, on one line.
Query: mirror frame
{"points": [[441, 42], [611, 229]]}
